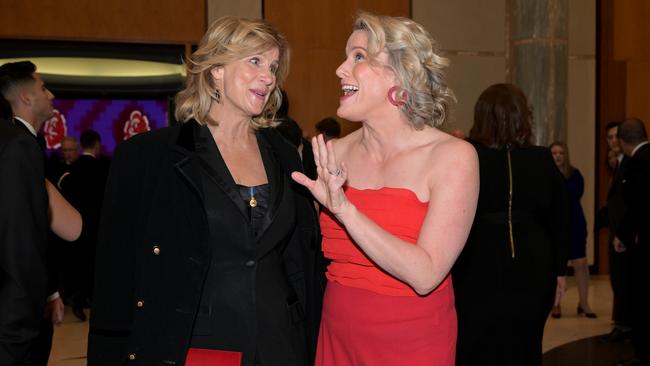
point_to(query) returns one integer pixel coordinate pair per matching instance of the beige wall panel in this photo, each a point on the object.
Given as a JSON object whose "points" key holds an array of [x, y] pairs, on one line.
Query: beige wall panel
{"points": [[244, 8], [638, 92], [152, 21], [475, 25], [581, 129], [468, 76], [582, 27]]}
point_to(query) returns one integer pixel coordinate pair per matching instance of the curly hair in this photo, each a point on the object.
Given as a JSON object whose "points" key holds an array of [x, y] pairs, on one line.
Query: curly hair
{"points": [[227, 40], [414, 58]]}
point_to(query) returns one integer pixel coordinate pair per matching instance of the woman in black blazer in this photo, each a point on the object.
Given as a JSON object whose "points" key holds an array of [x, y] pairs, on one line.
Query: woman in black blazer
{"points": [[208, 252]]}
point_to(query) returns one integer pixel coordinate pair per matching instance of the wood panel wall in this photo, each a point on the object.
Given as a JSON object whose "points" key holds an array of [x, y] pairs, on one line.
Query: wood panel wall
{"points": [[146, 21], [611, 94], [631, 35], [317, 32]]}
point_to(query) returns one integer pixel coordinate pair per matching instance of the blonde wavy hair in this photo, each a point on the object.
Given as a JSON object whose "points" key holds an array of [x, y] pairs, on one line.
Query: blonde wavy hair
{"points": [[230, 39], [414, 58]]}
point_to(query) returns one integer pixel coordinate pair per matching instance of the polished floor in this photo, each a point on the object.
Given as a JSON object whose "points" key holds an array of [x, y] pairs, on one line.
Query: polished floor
{"points": [[570, 340]]}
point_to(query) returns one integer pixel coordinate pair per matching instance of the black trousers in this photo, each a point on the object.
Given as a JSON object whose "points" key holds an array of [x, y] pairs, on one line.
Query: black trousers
{"points": [[42, 346]]}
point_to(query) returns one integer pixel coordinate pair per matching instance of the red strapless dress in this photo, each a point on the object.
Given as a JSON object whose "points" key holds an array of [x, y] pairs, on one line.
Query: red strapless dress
{"points": [[370, 317]]}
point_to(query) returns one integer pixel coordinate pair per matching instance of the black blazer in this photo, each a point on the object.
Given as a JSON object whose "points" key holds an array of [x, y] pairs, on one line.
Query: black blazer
{"points": [[23, 238], [637, 199], [84, 189], [53, 257], [154, 255], [615, 199]]}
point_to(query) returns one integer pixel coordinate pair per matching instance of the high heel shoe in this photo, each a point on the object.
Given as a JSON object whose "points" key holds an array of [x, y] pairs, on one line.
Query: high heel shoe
{"points": [[556, 312], [588, 315]]}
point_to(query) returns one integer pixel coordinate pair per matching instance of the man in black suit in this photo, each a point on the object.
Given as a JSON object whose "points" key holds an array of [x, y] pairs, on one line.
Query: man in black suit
{"points": [[59, 163], [84, 188], [23, 239], [633, 235], [618, 262], [31, 104]]}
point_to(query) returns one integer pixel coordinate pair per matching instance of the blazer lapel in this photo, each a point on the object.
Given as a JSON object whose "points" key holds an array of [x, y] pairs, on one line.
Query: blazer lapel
{"points": [[215, 168], [275, 176], [186, 163]]}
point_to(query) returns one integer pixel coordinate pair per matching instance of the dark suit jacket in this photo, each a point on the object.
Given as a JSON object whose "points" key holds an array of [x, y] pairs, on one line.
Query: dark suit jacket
{"points": [[53, 268], [615, 198], [23, 231], [637, 198], [155, 252], [84, 189]]}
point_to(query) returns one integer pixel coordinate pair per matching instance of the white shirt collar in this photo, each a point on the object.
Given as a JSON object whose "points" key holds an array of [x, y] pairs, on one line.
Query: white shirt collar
{"points": [[637, 147], [27, 124]]}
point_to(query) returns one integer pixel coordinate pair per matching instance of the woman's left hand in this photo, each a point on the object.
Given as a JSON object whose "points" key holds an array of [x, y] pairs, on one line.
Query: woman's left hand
{"points": [[328, 186]]}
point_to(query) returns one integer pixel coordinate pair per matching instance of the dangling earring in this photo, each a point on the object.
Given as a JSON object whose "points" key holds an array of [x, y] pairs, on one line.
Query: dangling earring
{"points": [[217, 95], [391, 97]]}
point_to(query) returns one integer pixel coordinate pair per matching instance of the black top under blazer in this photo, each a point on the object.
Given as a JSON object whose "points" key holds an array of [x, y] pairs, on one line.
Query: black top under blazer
{"points": [[169, 276]]}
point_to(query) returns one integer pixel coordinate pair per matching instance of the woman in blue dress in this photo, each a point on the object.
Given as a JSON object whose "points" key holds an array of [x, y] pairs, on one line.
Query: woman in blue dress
{"points": [[578, 228]]}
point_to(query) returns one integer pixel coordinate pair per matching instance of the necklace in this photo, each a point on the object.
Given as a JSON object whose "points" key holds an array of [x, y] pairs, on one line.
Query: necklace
{"points": [[252, 202]]}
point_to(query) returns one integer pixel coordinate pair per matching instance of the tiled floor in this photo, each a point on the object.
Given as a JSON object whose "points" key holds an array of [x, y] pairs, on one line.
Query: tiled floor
{"points": [[571, 326], [70, 339]]}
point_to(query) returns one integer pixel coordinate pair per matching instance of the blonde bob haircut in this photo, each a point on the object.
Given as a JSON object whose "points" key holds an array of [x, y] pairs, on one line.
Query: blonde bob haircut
{"points": [[413, 57], [227, 40]]}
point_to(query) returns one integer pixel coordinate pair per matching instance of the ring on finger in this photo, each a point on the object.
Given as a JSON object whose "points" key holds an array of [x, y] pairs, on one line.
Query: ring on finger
{"points": [[337, 172]]}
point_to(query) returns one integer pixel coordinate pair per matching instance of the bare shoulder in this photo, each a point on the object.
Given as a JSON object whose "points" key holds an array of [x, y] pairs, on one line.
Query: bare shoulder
{"points": [[451, 150], [455, 164]]}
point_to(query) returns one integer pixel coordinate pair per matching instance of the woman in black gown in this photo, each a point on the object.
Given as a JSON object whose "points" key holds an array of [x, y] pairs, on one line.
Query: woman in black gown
{"points": [[514, 262]]}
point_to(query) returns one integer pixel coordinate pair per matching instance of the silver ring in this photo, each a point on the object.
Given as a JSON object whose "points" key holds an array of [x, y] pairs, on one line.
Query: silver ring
{"points": [[337, 172]]}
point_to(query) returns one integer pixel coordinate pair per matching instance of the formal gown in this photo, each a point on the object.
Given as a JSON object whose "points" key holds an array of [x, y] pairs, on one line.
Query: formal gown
{"points": [[505, 277], [370, 317]]}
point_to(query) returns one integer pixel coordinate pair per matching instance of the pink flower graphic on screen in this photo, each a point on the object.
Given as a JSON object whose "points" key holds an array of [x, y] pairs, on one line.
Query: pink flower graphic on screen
{"points": [[137, 123], [55, 129]]}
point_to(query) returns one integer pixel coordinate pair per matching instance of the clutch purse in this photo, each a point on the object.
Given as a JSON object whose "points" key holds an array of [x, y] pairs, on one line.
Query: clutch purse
{"points": [[212, 357]]}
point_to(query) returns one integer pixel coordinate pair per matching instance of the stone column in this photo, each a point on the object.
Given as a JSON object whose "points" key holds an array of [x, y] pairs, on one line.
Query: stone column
{"points": [[538, 62]]}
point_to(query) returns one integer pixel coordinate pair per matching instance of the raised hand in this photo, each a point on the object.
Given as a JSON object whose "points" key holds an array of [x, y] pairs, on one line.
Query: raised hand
{"points": [[328, 186]]}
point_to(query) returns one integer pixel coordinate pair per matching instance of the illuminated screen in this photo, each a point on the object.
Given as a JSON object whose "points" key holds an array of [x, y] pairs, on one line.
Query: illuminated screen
{"points": [[114, 119]]}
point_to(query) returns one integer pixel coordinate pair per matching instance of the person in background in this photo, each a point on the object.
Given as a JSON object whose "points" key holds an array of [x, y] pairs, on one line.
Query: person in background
{"points": [[633, 235], [512, 269], [23, 240], [577, 228], [31, 104], [399, 197], [208, 252], [329, 127], [458, 133], [58, 164], [84, 188], [291, 131], [619, 263]]}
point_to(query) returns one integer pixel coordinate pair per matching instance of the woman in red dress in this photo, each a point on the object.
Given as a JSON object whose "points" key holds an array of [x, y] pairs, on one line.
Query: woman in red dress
{"points": [[399, 197]]}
